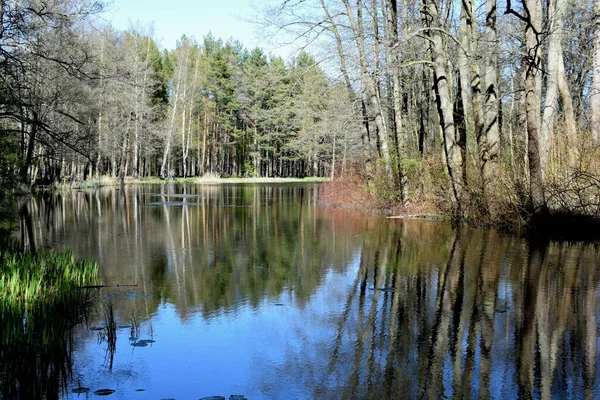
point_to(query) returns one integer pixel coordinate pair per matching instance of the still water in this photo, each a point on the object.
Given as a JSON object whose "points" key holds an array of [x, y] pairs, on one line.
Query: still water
{"points": [[256, 290]]}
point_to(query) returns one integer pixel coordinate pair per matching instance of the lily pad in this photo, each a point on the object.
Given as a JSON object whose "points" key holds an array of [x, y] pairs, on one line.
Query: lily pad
{"points": [[81, 390], [279, 304], [124, 326], [213, 398], [139, 344], [140, 390], [97, 328], [237, 397], [146, 341], [104, 392], [131, 297]]}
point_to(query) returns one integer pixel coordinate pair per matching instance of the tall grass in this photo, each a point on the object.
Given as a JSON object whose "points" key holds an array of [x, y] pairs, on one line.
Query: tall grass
{"points": [[39, 304], [43, 277]]}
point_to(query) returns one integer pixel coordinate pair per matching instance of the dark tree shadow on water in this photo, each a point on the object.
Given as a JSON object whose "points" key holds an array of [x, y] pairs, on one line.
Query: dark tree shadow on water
{"points": [[36, 348]]}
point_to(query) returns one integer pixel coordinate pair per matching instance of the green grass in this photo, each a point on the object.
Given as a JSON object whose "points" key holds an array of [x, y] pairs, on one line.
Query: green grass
{"points": [[44, 277], [39, 305]]}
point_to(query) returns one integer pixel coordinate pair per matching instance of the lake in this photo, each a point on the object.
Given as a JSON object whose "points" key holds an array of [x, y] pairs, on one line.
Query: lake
{"points": [[256, 290]]}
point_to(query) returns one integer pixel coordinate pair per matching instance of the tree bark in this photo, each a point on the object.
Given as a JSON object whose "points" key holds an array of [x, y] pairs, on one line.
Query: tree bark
{"points": [[595, 89], [550, 109], [464, 58], [370, 93], [568, 111], [25, 168], [167, 151], [352, 95], [402, 140], [491, 149], [444, 101], [532, 104]]}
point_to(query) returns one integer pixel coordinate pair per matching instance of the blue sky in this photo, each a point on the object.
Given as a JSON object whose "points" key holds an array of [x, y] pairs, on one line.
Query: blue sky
{"points": [[172, 18]]}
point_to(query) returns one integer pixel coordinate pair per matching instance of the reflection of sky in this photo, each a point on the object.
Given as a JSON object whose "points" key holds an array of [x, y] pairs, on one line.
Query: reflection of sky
{"points": [[239, 351]]}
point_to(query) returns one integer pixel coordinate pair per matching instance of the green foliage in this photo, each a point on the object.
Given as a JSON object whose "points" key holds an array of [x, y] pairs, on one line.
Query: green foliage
{"points": [[163, 70], [248, 169]]}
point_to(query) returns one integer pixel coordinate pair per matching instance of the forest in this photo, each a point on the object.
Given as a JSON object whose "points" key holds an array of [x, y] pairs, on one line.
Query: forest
{"points": [[487, 111]]}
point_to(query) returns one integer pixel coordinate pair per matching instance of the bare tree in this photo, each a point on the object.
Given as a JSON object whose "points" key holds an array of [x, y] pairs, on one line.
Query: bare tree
{"points": [[443, 92], [595, 90]]}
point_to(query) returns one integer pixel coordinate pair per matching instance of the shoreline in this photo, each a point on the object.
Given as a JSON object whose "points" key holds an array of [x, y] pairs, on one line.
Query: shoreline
{"points": [[551, 226], [107, 181]]}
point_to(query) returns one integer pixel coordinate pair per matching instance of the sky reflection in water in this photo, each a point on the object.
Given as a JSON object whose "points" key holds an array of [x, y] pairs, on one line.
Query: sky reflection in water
{"points": [[255, 290]]}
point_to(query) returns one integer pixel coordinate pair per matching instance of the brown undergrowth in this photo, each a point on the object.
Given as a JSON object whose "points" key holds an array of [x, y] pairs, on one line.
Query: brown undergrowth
{"points": [[357, 191], [572, 190]]}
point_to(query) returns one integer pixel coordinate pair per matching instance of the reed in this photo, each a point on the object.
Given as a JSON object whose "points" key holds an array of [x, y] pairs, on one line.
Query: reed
{"points": [[109, 334], [39, 305], [43, 277]]}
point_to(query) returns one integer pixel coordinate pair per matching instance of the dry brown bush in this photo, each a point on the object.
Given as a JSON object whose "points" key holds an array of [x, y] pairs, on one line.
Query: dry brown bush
{"points": [[572, 189]]}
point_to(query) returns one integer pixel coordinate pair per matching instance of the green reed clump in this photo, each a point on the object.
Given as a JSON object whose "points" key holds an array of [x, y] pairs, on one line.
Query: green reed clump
{"points": [[43, 277], [39, 306]]}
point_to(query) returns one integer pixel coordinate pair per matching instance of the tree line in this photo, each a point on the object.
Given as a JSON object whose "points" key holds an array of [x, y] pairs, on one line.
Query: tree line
{"points": [[81, 100]]}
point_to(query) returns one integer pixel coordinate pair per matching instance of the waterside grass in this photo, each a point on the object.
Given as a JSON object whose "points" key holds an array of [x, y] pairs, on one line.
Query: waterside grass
{"points": [[43, 277], [39, 306]]}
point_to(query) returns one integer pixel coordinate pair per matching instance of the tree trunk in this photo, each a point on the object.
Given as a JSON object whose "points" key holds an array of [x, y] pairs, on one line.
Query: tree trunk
{"points": [[595, 90], [550, 109], [491, 149], [172, 123], [444, 101], [532, 105], [352, 95], [124, 152], [464, 58], [568, 111], [478, 114], [370, 92], [25, 176], [402, 140]]}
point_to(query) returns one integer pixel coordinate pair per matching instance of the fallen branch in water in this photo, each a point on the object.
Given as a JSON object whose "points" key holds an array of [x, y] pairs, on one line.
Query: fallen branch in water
{"points": [[103, 286]]}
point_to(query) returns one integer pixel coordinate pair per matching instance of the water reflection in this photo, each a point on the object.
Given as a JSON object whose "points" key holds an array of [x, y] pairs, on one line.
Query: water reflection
{"points": [[36, 347], [261, 292]]}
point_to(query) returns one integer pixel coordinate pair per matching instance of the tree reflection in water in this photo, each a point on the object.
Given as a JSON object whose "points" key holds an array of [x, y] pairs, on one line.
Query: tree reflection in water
{"points": [[464, 314], [424, 311]]}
